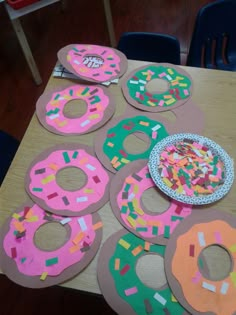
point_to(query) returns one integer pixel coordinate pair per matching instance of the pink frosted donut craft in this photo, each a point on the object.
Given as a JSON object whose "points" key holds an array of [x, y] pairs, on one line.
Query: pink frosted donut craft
{"points": [[50, 109], [26, 264], [42, 186], [92, 62], [126, 191]]}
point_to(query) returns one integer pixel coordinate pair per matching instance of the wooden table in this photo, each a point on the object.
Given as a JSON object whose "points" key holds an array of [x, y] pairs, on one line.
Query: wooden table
{"points": [[214, 92]]}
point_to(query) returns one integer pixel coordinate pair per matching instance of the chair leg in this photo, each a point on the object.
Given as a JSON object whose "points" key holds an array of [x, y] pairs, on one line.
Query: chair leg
{"points": [[26, 50], [110, 26]]}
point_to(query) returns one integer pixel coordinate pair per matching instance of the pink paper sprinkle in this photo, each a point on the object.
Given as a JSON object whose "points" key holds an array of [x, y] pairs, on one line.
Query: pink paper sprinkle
{"points": [[154, 135], [218, 237], [163, 74], [137, 94], [186, 92], [131, 291], [161, 103], [197, 277]]}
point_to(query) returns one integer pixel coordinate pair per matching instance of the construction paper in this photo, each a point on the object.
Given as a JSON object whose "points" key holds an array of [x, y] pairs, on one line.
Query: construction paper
{"points": [[42, 187], [179, 90], [93, 63], [50, 109], [126, 191], [109, 146], [198, 294], [120, 285], [209, 174], [32, 267]]}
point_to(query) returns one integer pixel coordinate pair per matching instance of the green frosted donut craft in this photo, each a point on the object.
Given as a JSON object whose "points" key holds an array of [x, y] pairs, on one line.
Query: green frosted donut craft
{"points": [[129, 287], [179, 86], [113, 146]]}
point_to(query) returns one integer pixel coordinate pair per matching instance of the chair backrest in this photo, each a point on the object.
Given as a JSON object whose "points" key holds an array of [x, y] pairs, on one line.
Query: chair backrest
{"points": [[150, 47], [213, 43]]}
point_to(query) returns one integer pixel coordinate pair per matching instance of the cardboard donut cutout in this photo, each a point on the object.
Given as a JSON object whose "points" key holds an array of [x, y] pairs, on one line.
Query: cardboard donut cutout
{"points": [[93, 63], [193, 288], [119, 283], [178, 90], [42, 185], [31, 266], [109, 140], [127, 189], [50, 109]]}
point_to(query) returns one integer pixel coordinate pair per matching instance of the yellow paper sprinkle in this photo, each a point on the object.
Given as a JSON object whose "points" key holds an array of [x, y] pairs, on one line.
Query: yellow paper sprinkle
{"points": [[43, 276], [183, 84], [88, 191], [170, 71], [136, 189], [233, 248], [124, 244], [173, 299], [167, 182], [131, 221], [233, 277], [94, 116], [141, 221], [179, 78], [123, 160], [48, 179], [169, 102], [167, 96], [16, 216], [68, 57], [151, 103], [34, 218], [174, 82]]}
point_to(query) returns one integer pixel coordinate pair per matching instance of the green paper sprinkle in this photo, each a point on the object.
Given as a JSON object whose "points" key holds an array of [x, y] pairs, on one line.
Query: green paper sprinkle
{"points": [[141, 229], [37, 189], [113, 65], [175, 218], [57, 97], [200, 263], [71, 92], [52, 261], [85, 91], [55, 111], [133, 215], [155, 230], [75, 154], [167, 231], [127, 187], [109, 58], [124, 209], [131, 206], [75, 49], [148, 175], [23, 260], [66, 157], [96, 99], [15, 232], [108, 72]]}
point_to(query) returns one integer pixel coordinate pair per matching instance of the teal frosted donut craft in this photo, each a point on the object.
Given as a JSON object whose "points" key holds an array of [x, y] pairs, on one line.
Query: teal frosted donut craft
{"points": [[136, 92], [119, 283]]}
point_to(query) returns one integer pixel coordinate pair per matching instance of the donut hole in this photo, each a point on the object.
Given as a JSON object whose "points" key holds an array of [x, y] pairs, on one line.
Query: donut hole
{"points": [[136, 143], [154, 201], [215, 262], [93, 61], [150, 271], [75, 108], [157, 86], [71, 178], [51, 236]]}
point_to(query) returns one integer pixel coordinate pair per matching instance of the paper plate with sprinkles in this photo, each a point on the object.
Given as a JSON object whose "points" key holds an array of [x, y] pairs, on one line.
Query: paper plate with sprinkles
{"points": [[191, 169]]}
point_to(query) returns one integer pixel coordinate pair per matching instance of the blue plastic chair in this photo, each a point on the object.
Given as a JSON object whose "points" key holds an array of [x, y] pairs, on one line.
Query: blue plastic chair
{"points": [[213, 43], [8, 148], [150, 47]]}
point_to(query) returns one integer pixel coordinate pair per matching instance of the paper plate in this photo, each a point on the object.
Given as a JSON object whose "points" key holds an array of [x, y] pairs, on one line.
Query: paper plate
{"points": [[206, 174]]}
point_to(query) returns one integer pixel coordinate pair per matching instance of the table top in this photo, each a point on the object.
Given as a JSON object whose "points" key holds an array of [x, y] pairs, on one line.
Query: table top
{"points": [[213, 91]]}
